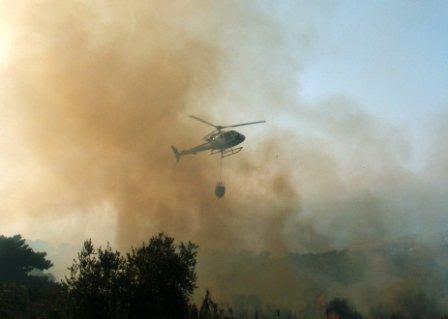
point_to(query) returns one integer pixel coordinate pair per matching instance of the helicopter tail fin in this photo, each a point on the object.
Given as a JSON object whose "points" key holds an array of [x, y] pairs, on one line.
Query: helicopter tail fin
{"points": [[176, 153]]}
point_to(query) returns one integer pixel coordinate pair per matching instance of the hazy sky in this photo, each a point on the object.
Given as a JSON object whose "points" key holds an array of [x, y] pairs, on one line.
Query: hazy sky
{"points": [[389, 56]]}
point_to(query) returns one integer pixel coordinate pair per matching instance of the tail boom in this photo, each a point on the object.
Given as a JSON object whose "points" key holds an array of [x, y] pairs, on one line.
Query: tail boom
{"points": [[193, 151]]}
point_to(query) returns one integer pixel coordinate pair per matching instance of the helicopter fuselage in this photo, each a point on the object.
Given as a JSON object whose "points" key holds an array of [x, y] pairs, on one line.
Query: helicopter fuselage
{"points": [[218, 142], [227, 139]]}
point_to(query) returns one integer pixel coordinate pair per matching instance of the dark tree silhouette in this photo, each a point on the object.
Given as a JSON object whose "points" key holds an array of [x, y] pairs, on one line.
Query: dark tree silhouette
{"points": [[162, 278], [341, 309], [193, 312], [155, 280], [98, 283], [17, 259], [209, 308], [22, 294]]}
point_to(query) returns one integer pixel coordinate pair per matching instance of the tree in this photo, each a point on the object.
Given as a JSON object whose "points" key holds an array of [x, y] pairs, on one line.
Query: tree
{"points": [[97, 283], [25, 291], [163, 277], [17, 259], [209, 308], [193, 312], [155, 280], [341, 309]]}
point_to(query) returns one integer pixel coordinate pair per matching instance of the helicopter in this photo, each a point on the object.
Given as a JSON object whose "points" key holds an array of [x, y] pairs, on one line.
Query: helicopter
{"points": [[219, 141]]}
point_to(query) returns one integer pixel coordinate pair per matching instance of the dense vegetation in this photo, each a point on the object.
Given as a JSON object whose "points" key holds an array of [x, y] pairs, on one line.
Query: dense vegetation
{"points": [[157, 280]]}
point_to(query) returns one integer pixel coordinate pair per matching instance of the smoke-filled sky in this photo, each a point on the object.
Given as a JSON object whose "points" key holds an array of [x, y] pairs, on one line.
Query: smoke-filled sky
{"points": [[95, 92]]}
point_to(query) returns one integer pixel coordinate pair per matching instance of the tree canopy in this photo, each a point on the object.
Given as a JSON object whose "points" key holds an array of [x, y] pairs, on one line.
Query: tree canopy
{"points": [[17, 259], [155, 280], [342, 309]]}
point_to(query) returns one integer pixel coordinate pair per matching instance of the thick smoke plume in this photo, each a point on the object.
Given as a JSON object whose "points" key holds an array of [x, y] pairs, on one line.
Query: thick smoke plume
{"points": [[96, 92], [101, 91]]}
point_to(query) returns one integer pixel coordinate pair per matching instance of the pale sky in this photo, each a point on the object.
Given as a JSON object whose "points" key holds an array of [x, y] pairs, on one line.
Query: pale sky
{"points": [[391, 57]]}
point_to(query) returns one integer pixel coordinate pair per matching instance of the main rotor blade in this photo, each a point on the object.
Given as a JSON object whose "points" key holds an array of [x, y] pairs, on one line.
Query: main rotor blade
{"points": [[248, 123], [203, 121]]}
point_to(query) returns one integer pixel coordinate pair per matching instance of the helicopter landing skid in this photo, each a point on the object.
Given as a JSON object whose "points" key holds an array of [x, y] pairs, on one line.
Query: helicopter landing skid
{"points": [[231, 152], [227, 152]]}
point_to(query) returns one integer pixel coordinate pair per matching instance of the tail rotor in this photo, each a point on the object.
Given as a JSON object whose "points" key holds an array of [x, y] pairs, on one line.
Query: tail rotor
{"points": [[177, 154]]}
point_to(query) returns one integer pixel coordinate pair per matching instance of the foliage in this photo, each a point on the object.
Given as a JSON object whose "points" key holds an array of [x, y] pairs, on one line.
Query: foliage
{"points": [[17, 259], [341, 308], [39, 299], [97, 283], [209, 308], [162, 278], [155, 280]]}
